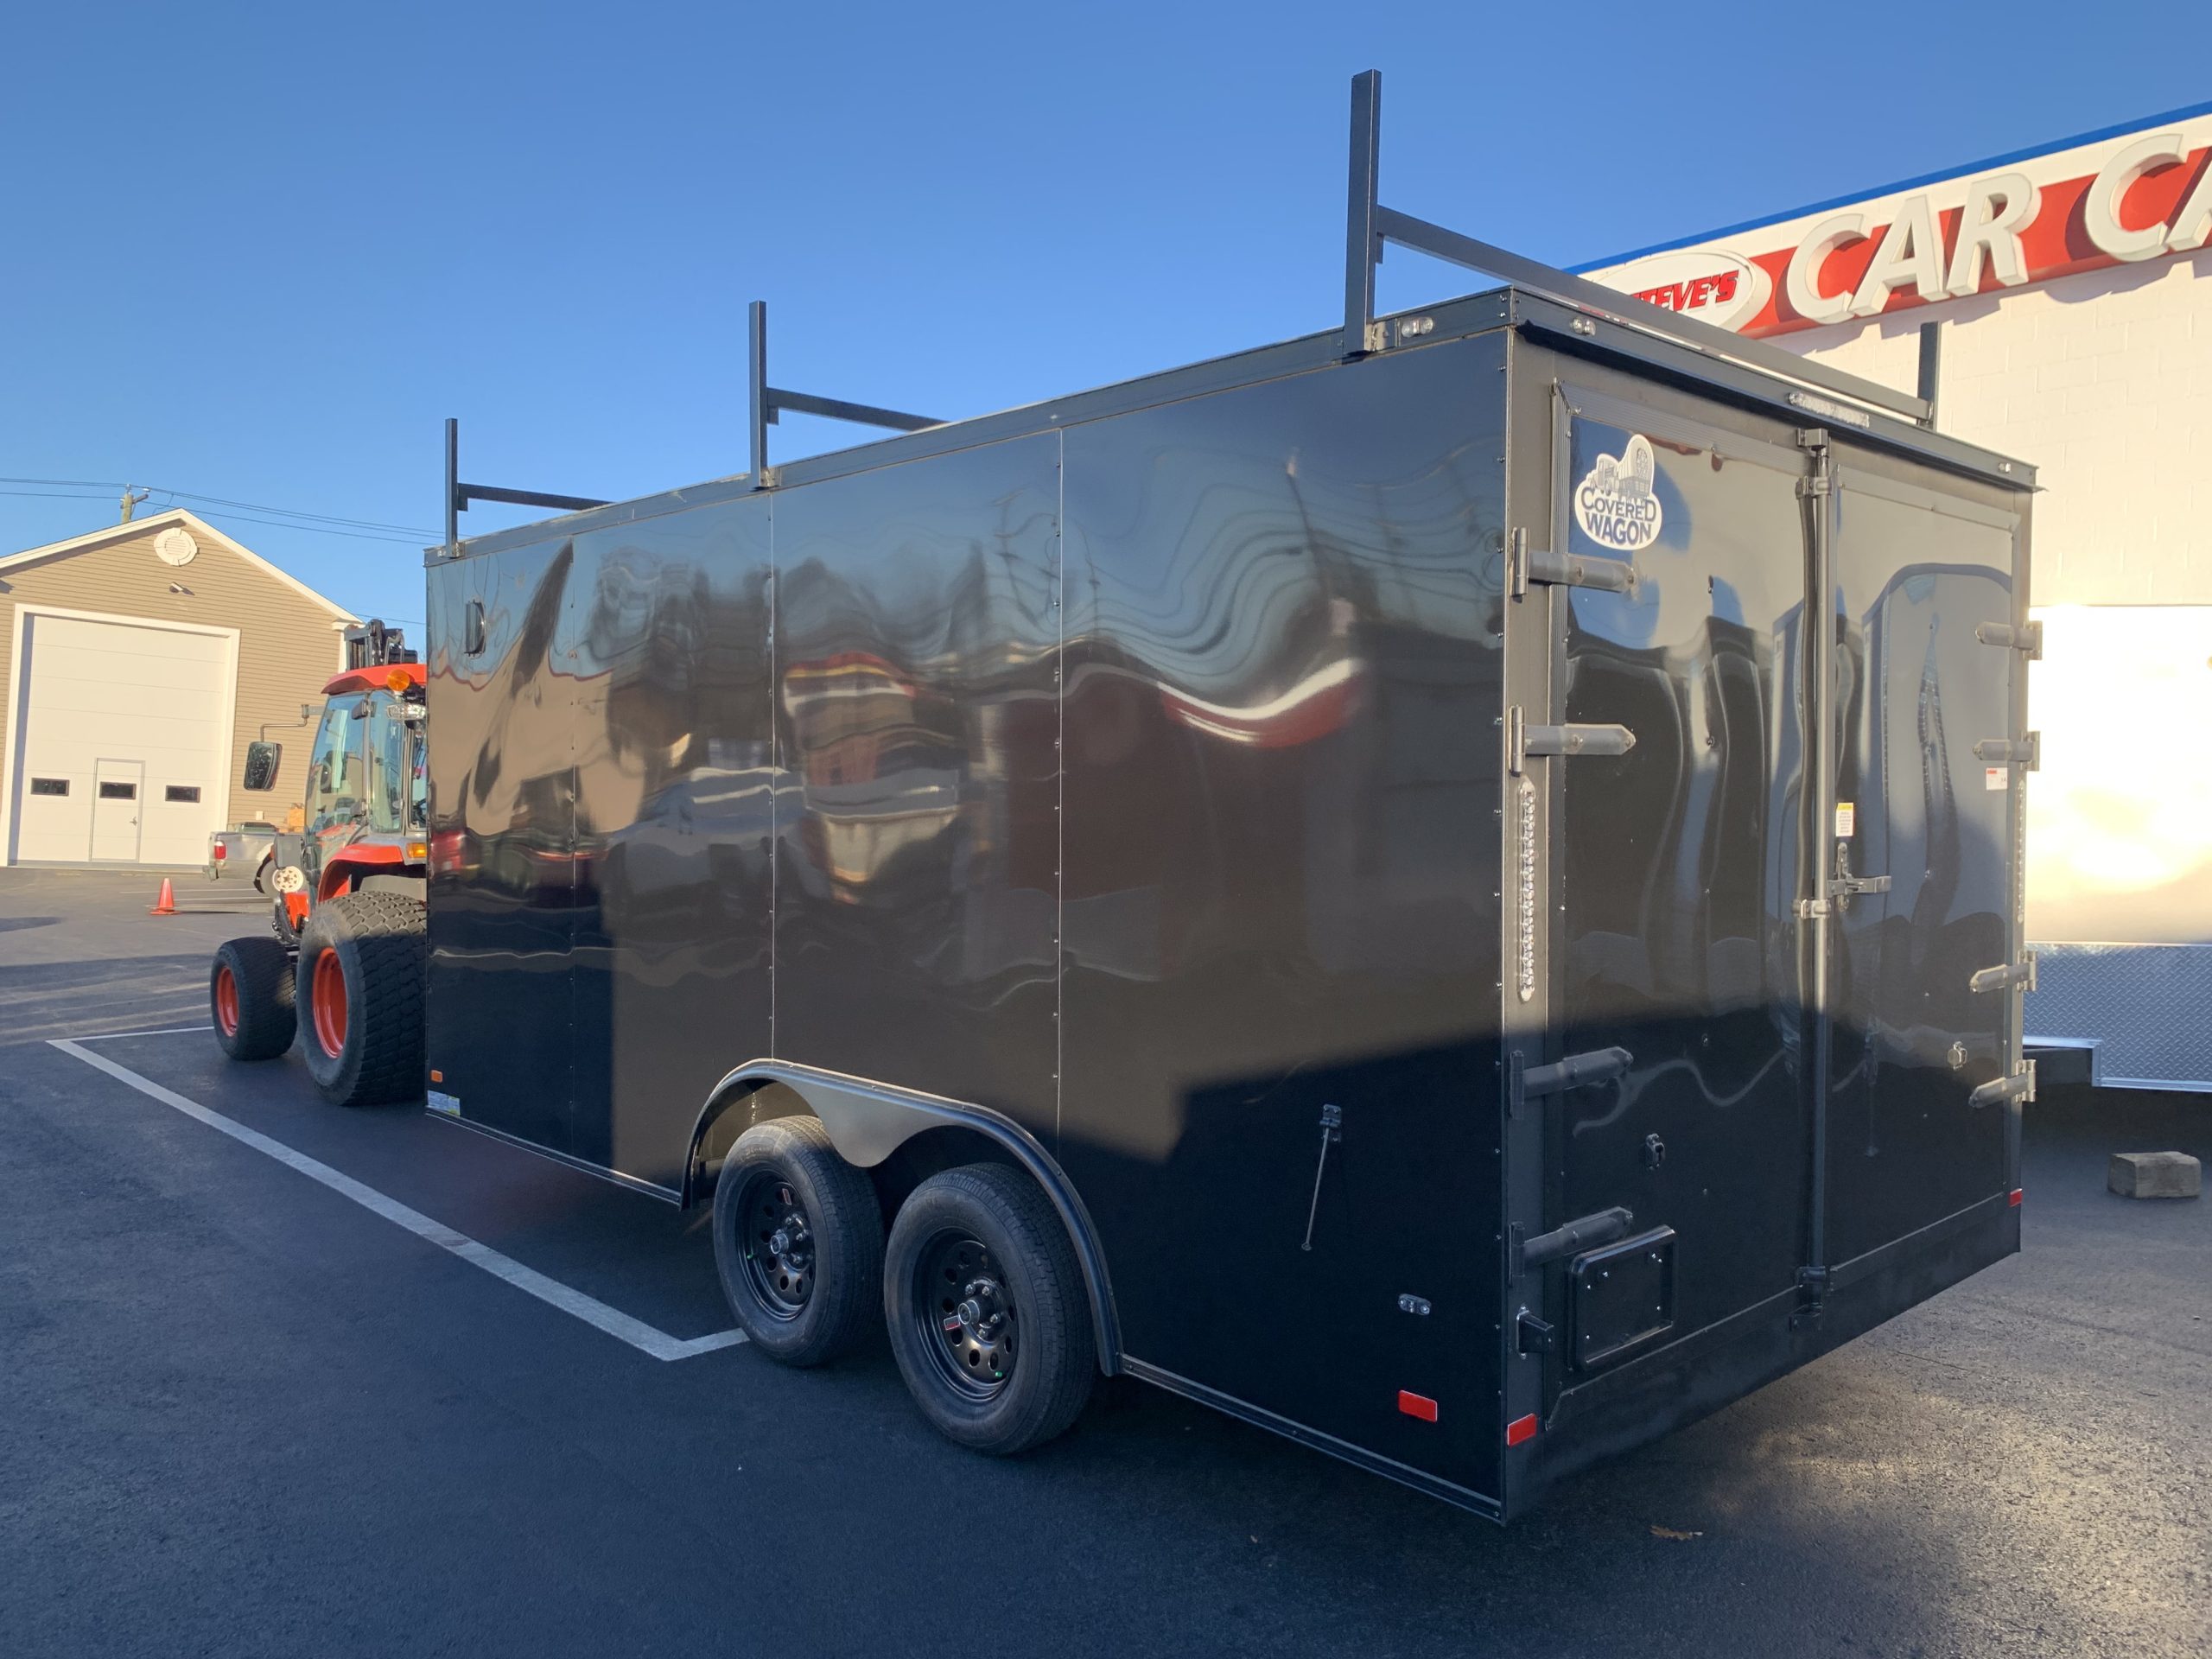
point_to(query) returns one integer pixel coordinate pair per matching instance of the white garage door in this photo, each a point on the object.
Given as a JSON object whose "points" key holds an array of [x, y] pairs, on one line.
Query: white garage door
{"points": [[120, 730]]}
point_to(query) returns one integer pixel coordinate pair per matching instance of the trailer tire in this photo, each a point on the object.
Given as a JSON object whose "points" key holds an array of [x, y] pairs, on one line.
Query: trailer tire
{"points": [[250, 999], [989, 1318], [362, 962], [798, 1243]]}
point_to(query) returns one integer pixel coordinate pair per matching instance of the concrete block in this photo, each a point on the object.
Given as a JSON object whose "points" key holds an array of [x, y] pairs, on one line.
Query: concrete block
{"points": [[2155, 1175]]}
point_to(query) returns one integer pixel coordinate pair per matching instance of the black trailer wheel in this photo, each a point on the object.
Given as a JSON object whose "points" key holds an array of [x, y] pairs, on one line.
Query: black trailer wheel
{"points": [[798, 1241], [250, 997], [362, 965], [989, 1321]]}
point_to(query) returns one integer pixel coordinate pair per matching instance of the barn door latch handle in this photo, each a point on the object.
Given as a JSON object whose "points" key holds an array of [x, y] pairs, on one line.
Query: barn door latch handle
{"points": [[1843, 886]]}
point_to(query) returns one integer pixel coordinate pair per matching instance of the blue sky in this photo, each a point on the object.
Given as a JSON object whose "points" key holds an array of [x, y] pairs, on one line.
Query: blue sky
{"points": [[260, 253]]}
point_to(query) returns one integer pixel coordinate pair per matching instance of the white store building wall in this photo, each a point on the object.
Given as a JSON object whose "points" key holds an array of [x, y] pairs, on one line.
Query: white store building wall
{"points": [[2104, 381]]}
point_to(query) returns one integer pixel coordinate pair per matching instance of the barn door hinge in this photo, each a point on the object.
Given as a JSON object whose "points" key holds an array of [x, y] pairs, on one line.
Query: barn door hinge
{"points": [[1524, 739], [2027, 638], [1525, 1083], [2022, 973], [1524, 566], [2008, 751], [2020, 1086]]}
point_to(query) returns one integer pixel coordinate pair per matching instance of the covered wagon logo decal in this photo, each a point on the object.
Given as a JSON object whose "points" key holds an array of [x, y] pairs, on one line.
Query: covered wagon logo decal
{"points": [[1615, 503]]}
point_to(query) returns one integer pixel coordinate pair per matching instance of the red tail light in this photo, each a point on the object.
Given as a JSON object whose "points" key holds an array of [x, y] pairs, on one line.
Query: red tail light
{"points": [[2018, 1194], [221, 851]]}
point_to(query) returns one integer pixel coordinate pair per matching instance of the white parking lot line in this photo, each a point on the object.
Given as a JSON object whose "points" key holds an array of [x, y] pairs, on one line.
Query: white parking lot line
{"points": [[593, 1311], [158, 1031]]}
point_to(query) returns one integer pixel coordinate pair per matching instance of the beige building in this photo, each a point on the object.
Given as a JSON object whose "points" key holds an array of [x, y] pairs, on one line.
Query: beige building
{"points": [[142, 660]]}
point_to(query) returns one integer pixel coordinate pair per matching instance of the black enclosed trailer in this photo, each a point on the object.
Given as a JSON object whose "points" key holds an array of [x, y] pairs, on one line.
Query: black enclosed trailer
{"points": [[1470, 864]]}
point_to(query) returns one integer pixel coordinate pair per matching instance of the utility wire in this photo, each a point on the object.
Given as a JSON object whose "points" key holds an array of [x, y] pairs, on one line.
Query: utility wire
{"points": [[423, 539], [282, 513]]}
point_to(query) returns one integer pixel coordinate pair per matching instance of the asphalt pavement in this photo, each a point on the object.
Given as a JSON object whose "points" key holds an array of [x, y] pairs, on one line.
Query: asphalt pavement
{"points": [[243, 1412]]}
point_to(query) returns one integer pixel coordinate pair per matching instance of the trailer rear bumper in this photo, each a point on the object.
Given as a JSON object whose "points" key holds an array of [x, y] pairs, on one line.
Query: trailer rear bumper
{"points": [[1674, 1386]]}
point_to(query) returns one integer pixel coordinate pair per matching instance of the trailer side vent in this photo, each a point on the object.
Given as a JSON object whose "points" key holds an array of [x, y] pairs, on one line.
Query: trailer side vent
{"points": [[1620, 1298]]}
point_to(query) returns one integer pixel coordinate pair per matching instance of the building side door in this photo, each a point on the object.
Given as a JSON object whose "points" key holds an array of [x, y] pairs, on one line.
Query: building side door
{"points": [[118, 809]]}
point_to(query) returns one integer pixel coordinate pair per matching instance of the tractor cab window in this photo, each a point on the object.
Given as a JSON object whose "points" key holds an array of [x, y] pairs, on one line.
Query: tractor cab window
{"points": [[389, 782], [335, 768]]}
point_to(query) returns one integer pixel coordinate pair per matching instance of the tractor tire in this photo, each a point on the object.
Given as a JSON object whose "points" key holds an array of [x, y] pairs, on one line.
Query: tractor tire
{"points": [[249, 996], [363, 962]]}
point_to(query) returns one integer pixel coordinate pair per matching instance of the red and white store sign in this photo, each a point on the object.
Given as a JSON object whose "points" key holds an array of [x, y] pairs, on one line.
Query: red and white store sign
{"points": [[2142, 195]]}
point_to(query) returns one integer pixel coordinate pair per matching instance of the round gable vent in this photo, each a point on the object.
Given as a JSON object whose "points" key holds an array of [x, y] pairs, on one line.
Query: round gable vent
{"points": [[176, 546]]}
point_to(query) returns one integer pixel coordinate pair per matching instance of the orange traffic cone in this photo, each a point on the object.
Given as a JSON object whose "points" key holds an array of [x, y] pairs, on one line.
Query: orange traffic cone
{"points": [[166, 904]]}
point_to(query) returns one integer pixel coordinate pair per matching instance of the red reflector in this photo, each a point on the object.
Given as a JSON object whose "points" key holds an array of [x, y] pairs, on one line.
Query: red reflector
{"points": [[2018, 1193], [1417, 1404], [436, 1075], [1519, 1429]]}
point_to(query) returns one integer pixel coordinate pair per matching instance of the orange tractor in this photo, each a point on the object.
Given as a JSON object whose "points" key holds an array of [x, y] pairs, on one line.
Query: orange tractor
{"points": [[347, 954]]}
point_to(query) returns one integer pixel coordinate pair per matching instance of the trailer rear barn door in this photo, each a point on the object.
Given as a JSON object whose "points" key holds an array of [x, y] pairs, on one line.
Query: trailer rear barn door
{"points": [[1924, 811], [1765, 949], [1673, 941]]}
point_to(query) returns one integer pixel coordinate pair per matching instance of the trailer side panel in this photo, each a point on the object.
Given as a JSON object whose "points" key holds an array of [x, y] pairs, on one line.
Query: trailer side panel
{"points": [[1282, 750]]}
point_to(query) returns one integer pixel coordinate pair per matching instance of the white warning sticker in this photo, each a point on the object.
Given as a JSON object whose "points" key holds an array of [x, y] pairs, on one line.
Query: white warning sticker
{"points": [[1616, 503], [1847, 819], [1994, 777], [449, 1104]]}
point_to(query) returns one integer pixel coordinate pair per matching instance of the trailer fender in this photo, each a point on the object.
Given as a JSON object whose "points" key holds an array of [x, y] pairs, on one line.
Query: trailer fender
{"points": [[867, 1122]]}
